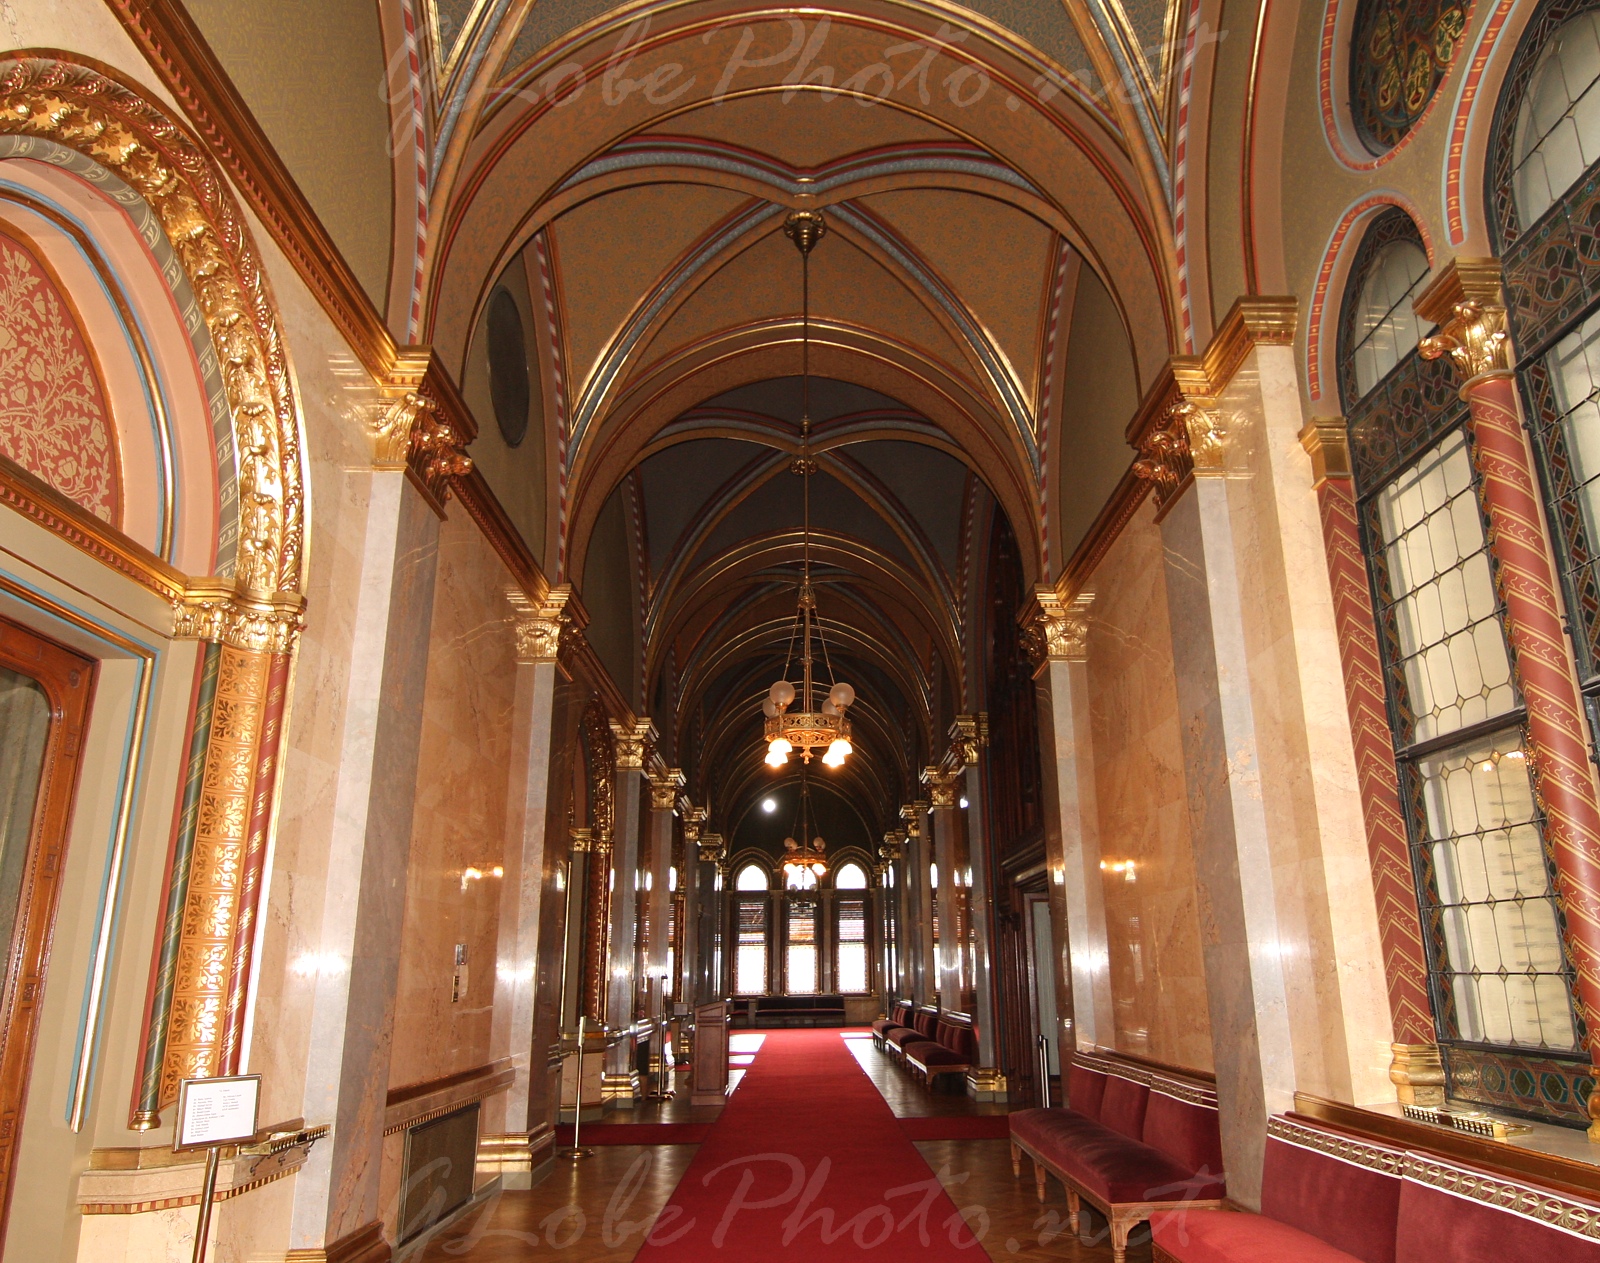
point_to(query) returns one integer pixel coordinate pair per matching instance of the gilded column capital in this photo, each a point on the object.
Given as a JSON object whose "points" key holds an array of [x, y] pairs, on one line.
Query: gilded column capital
{"points": [[1476, 339], [941, 788], [894, 843], [633, 742], [664, 787], [1186, 442], [545, 628], [580, 841], [968, 735], [1464, 299], [911, 813], [1327, 442], [211, 610], [421, 428], [1054, 630], [693, 818], [712, 848]]}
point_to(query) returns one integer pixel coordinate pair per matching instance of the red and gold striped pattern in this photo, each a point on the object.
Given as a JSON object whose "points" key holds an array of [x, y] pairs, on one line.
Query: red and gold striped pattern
{"points": [[1400, 931]]}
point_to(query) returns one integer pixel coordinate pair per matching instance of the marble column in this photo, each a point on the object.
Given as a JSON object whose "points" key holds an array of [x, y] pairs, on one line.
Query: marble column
{"points": [[1473, 333], [336, 1194], [538, 630], [970, 735], [919, 900], [1245, 984], [941, 787], [1057, 636], [622, 1077], [664, 789]]}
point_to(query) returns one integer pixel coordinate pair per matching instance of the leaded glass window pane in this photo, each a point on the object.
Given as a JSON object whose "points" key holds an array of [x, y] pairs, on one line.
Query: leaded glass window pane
{"points": [[1386, 328], [1442, 612], [750, 951], [802, 953], [1498, 949], [852, 946], [1558, 124]]}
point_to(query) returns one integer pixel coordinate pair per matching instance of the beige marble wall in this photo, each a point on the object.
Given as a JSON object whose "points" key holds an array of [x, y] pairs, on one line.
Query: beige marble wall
{"points": [[460, 817], [1152, 923]]}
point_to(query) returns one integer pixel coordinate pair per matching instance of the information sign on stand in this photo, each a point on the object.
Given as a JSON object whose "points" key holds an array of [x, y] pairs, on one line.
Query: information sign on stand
{"points": [[212, 1113]]}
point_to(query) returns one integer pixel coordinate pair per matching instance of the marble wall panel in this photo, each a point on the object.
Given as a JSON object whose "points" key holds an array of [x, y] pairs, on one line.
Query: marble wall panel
{"points": [[460, 817], [1152, 922]]}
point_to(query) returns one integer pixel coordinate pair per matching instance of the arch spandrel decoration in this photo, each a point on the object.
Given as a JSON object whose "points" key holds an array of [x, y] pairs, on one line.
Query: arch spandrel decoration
{"points": [[82, 108]]}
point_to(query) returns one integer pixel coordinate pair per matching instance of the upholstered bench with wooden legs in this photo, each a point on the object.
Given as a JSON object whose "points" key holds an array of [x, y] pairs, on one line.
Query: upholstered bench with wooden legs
{"points": [[950, 1053], [1134, 1148]]}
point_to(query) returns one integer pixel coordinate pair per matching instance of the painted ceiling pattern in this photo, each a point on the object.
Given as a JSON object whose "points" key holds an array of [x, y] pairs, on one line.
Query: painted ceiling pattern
{"points": [[969, 164]]}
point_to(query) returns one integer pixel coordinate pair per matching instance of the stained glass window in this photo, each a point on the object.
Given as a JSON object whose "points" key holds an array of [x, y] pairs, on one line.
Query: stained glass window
{"points": [[1439, 608], [851, 967], [750, 951], [1497, 951], [801, 962], [1377, 327], [1400, 51]]}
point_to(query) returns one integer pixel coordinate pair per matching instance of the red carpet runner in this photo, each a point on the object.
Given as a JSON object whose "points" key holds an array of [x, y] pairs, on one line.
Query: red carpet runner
{"points": [[807, 1162]]}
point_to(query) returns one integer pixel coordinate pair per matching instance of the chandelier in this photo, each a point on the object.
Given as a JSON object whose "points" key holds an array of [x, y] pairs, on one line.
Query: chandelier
{"points": [[804, 862], [810, 727]]}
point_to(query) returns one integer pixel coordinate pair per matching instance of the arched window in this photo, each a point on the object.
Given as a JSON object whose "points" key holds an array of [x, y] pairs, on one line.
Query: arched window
{"points": [[1377, 327], [752, 877], [1555, 135], [850, 877]]}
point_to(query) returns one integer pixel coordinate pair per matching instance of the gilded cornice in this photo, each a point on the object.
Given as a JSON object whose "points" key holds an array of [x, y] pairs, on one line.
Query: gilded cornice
{"points": [[43, 505], [181, 57], [1250, 322]]}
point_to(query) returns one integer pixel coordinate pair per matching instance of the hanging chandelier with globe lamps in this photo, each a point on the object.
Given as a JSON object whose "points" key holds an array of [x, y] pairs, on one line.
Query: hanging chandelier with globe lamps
{"points": [[811, 727]]}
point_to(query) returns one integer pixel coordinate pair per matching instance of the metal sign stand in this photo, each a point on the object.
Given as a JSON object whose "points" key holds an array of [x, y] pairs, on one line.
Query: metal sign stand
{"points": [[214, 1112]]}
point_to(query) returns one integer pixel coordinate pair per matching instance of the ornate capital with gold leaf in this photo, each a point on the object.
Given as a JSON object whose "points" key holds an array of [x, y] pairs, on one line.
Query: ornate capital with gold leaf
{"points": [[632, 742], [1476, 340], [212, 610], [941, 788], [911, 813], [712, 848], [543, 629], [422, 427], [969, 734], [664, 787], [894, 846], [1054, 630], [693, 818], [580, 841]]}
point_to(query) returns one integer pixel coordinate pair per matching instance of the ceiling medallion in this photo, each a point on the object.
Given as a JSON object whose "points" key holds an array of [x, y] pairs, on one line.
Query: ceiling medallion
{"points": [[811, 727]]}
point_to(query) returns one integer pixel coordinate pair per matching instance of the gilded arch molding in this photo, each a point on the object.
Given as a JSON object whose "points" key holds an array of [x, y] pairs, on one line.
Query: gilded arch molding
{"points": [[81, 107]]}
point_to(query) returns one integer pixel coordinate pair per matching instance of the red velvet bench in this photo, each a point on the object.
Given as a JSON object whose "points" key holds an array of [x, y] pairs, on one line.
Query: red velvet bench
{"points": [[951, 1052], [924, 1025], [1328, 1196], [1132, 1147], [900, 1019]]}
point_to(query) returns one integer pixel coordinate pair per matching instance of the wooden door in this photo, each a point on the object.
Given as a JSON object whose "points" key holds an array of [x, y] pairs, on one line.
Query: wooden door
{"points": [[44, 705]]}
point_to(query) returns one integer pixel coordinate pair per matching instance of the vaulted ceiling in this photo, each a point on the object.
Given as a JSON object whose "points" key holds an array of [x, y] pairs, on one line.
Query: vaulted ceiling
{"points": [[991, 213]]}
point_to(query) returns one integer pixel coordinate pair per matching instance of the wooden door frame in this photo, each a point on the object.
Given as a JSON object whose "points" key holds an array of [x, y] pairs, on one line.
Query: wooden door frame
{"points": [[68, 680], [1031, 899]]}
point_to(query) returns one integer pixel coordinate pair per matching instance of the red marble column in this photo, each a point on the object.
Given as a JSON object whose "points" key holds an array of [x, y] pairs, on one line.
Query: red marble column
{"points": [[1399, 925]]}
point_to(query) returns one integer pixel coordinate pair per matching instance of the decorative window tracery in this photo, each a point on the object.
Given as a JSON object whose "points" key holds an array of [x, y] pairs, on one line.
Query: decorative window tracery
{"points": [[1400, 52], [1377, 327]]}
